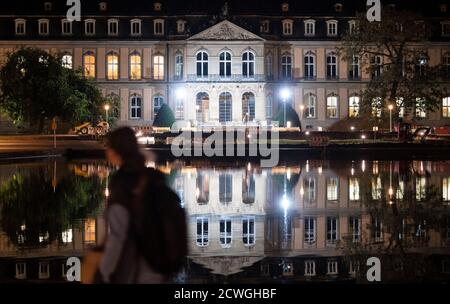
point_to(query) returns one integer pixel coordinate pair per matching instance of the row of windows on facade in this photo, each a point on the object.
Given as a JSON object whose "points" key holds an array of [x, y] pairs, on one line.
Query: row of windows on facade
{"points": [[158, 27], [249, 107], [308, 190], [225, 65]]}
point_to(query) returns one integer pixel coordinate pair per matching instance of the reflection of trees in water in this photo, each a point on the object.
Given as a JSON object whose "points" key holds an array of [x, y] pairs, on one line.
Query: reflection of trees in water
{"points": [[34, 213], [401, 223]]}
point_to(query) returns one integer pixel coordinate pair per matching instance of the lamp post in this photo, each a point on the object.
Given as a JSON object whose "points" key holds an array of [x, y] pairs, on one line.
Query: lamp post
{"points": [[390, 117], [302, 109], [285, 94], [107, 107]]}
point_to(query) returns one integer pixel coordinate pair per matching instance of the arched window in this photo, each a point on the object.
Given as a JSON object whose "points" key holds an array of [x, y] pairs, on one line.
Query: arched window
{"points": [[67, 61], [158, 26], [135, 27], [332, 106], [248, 106], [225, 64], [113, 27], [286, 66], [310, 65], [225, 234], [202, 107], [21, 26], [269, 66], [332, 28], [44, 28], [248, 189], [202, 190], [89, 27], [135, 107], [269, 107], [158, 101], [288, 26], [225, 107], [331, 66], [112, 66], [202, 64], [248, 64], [158, 67], [89, 65], [311, 106], [225, 188], [353, 106], [135, 66], [179, 66], [310, 27]]}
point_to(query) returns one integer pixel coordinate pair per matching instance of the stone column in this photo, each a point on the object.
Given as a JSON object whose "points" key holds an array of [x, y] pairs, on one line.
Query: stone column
{"points": [[148, 109], [124, 112], [123, 64], [101, 63]]}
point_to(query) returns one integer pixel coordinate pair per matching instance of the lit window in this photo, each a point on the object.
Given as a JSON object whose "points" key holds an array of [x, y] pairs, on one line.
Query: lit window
{"points": [[421, 111], [248, 231], [225, 64], [89, 65], [158, 67], [158, 27], [353, 106], [179, 67], [202, 191], [67, 61], [67, 236], [286, 66], [43, 27], [446, 189], [225, 188], [158, 101], [202, 64], [376, 107], [332, 106], [202, 231], [353, 189], [136, 27], [332, 229], [332, 188], [135, 66], [311, 106], [446, 107], [89, 231], [248, 64], [20, 25], [112, 66], [310, 268], [310, 230], [332, 28], [355, 228], [310, 66], [66, 26], [89, 27], [400, 107], [135, 107], [113, 27], [310, 27], [225, 235], [287, 27], [225, 107], [376, 188], [248, 107], [421, 191]]}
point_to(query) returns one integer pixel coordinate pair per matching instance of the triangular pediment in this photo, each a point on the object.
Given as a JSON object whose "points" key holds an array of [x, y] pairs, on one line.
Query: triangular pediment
{"points": [[226, 30]]}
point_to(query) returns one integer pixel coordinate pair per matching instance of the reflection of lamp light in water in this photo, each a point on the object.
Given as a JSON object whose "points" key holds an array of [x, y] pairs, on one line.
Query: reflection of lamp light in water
{"points": [[288, 174], [106, 192], [285, 202], [197, 193], [391, 191], [363, 166], [319, 170], [307, 166], [302, 191], [352, 171], [249, 166]]}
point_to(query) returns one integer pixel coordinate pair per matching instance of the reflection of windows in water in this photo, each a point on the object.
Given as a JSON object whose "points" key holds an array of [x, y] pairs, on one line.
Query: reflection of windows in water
{"points": [[89, 231], [377, 232], [446, 189], [67, 236], [202, 231], [269, 188], [310, 230], [332, 188], [248, 189], [332, 226], [332, 267], [355, 228], [179, 188], [310, 268], [400, 190], [287, 233], [376, 188], [248, 231], [353, 189], [353, 267], [225, 232], [21, 271], [225, 188], [421, 184], [44, 270], [448, 230], [310, 190], [421, 229], [202, 190], [445, 266], [43, 237]]}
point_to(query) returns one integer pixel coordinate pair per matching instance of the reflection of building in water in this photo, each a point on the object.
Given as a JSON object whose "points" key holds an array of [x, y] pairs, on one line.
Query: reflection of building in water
{"points": [[294, 222]]}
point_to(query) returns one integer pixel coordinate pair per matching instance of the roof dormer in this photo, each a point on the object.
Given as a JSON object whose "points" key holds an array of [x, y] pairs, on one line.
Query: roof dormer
{"points": [[338, 7], [47, 6], [103, 6], [157, 6], [285, 7]]}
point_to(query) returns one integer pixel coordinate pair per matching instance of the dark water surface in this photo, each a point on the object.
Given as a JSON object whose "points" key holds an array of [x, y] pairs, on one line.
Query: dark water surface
{"points": [[298, 222]]}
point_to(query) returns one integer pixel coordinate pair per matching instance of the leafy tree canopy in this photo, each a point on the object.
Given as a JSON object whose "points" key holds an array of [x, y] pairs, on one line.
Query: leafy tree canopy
{"points": [[165, 117], [291, 115]]}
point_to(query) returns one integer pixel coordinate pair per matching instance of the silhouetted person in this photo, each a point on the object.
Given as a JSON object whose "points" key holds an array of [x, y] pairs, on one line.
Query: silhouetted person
{"points": [[146, 242]]}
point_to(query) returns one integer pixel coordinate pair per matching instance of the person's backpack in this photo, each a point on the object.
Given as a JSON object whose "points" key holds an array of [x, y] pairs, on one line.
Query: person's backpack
{"points": [[159, 224]]}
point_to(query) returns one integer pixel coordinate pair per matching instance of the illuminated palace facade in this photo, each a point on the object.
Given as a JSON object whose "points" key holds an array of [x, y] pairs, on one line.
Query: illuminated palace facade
{"points": [[213, 64]]}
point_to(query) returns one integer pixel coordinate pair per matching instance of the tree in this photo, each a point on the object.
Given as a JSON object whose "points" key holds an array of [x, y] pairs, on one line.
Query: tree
{"points": [[291, 115], [114, 113], [35, 87], [165, 117], [394, 55]]}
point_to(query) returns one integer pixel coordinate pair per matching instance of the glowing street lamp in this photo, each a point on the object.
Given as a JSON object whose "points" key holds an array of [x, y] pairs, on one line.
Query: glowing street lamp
{"points": [[302, 108], [107, 107], [285, 94], [390, 117]]}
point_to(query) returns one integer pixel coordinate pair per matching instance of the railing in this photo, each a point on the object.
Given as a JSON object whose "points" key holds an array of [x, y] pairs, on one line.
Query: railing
{"points": [[233, 78]]}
